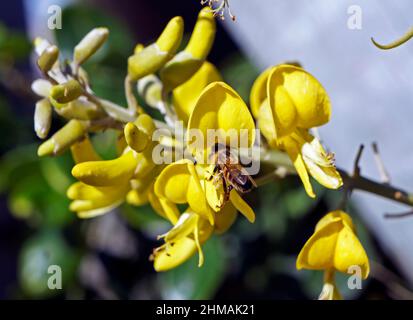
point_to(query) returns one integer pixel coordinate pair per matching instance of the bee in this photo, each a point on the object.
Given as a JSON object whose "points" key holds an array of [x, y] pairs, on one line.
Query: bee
{"points": [[229, 170]]}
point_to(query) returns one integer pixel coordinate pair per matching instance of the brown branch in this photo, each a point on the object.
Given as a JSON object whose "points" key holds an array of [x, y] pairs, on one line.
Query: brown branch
{"points": [[385, 190]]}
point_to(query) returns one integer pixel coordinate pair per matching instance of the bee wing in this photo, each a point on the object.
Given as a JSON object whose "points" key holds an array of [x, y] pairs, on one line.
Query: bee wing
{"points": [[238, 177], [246, 174]]}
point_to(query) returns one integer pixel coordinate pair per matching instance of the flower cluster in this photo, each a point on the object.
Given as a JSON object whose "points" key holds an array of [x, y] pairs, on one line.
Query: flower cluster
{"points": [[200, 194]]}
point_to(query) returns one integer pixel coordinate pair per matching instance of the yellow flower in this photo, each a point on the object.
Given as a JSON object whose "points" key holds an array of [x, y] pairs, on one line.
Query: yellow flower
{"points": [[218, 108], [334, 246], [221, 109], [288, 101]]}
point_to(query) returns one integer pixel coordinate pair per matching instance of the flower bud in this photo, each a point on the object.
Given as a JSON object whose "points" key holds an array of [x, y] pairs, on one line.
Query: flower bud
{"points": [[81, 109], [66, 92], [187, 62], [73, 131], [48, 58], [153, 57], [106, 172], [40, 45], [136, 138], [42, 118], [90, 44], [41, 87], [145, 123]]}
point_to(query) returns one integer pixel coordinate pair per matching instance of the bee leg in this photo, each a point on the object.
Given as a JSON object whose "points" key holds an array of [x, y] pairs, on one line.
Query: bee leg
{"points": [[227, 189], [227, 193]]}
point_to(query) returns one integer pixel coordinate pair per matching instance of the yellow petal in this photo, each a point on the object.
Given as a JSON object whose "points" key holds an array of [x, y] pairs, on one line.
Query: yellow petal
{"points": [[225, 218], [172, 183], [293, 152], [91, 201], [144, 161], [214, 192], [108, 172], [266, 123], [157, 206], [196, 199], [203, 35], [242, 206], [83, 151], [350, 252], [259, 92], [185, 96], [136, 138], [170, 210], [137, 198], [81, 191], [184, 227], [302, 91], [319, 251], [281, 104], [220, 107], [334, 216], [84, 213], [196, 196], [154, 56], [174, 255], [145, 123], [198, 246]]}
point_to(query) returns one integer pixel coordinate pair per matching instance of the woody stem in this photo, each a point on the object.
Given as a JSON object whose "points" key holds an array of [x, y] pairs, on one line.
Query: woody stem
{"points": [[350, 181]]}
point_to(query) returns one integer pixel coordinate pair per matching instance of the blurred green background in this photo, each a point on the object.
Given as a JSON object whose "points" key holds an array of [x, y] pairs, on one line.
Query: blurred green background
{"points": [[107, 257]]}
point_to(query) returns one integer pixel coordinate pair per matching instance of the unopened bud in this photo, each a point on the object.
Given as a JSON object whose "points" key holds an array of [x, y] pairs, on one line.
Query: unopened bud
{"points": [[153, 57], [42, 118], [48, 58], [41, 87], [40, 45], [90, 44], [136, 138], [73, 131], [66, 92], [187, 62], [145, 123], [81, 109]]}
